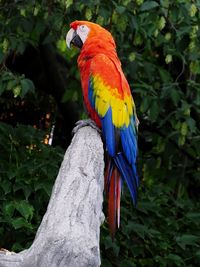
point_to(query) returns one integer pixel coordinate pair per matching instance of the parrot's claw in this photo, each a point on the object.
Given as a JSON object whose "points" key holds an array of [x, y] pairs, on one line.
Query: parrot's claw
{"points": [[84, 123]]}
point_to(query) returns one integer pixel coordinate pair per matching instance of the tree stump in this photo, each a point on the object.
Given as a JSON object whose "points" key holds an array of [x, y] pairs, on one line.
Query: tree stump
{"points": [[69, 232]]}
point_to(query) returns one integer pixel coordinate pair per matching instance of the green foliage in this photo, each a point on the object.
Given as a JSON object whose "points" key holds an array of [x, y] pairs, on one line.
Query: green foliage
{"points": [[162, 231], [158, 44], [28, 169], [19, 85]]}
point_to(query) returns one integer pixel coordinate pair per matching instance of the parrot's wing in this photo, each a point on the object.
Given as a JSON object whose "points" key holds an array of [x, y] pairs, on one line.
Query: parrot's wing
{"points": [[110, 96]]}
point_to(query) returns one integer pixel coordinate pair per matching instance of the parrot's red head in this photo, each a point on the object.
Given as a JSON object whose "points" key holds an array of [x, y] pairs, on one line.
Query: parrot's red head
{"points": [[83, 32]]}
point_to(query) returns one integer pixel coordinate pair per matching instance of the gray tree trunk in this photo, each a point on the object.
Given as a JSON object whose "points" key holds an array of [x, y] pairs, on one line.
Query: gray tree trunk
{"points": [[69, 232]]}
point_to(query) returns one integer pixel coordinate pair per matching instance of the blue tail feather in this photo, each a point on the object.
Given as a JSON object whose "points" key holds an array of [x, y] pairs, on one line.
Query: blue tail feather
{"points": [[127, 175], [136, 175]]}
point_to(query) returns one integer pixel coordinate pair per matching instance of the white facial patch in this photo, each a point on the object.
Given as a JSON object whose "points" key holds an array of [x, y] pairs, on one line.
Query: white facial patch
{"points": [[83, 32]]}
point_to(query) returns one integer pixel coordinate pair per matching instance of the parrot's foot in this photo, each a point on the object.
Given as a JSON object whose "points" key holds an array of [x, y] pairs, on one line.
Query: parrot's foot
{"points": [[84, 123]]}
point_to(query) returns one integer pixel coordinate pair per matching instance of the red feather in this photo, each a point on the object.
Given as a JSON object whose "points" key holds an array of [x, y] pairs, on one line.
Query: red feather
{"points": [[113, 189]]}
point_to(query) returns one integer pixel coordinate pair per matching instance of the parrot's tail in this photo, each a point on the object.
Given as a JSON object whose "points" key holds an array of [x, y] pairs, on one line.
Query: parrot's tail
{"points": [[117, 168], [129, 175], [113, 192]]}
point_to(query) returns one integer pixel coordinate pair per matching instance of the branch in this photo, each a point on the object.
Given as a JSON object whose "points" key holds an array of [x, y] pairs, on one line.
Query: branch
{"points": [[69, 232]]}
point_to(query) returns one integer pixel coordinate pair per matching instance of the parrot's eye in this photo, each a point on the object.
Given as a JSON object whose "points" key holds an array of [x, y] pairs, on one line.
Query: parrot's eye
{"points": [[83, 31], [83, 28]]}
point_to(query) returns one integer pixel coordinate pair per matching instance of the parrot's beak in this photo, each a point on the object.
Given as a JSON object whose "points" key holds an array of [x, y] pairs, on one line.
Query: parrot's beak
{"points": [[74, 39]]}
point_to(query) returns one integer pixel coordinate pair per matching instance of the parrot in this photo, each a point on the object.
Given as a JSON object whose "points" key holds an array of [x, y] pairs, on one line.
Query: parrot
{"points": [[109, 103]]}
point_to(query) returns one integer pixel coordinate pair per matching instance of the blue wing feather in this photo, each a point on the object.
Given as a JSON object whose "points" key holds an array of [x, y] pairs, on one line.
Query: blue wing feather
{"points": [[90, 94], [108, 130]]}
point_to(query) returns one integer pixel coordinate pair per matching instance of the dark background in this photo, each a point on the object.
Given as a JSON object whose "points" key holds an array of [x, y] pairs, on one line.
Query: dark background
{"points": [[158, 44]]}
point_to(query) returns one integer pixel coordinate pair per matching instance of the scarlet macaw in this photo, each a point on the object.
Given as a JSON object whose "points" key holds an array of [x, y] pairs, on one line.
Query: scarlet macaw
{"points": [[109, 103]]}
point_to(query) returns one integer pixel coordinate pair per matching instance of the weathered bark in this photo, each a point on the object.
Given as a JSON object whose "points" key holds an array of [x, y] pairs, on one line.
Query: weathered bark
{"points": [[69, 232]]}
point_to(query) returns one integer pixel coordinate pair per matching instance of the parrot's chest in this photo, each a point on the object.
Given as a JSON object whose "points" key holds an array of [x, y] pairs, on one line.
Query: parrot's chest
{"points": [[84, 67]]}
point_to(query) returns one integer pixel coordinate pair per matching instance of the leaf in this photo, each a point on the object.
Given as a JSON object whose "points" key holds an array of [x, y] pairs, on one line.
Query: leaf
{"points": [[7, 76], [195, 216], [45, 185], [27, 85], [146, 206], [13, 42], [9, 209], [175, 95], [175, 259], [20, 223], [187, 239], [154, 110], [120, 9], [11, 84], [145, 104], [164, 75], [39, 28], [148, 5], [25, 209], [110, 244], [27, 190], [192, 124], [17, 247], [137, 228], [27, 25], [183, 30], [6, 185]]}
